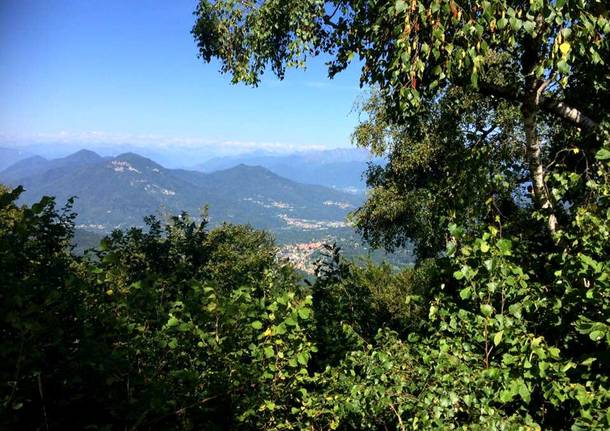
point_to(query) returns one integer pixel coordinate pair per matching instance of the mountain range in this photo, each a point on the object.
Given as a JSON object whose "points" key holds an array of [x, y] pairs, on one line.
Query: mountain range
{"points": [[116, 192], [340, 168]]}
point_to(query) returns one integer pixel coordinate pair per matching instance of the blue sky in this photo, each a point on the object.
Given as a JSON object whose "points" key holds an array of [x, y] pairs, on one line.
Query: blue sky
{"points": [[126, 71]]}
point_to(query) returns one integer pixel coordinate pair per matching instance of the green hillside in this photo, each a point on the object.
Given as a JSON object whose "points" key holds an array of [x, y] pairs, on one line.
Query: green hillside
{"points": [[121, 191]]}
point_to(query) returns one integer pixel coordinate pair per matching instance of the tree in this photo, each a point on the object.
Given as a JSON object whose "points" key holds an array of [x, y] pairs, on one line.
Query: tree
{"points": [[457, 160], [472, 102], [417, 49]]}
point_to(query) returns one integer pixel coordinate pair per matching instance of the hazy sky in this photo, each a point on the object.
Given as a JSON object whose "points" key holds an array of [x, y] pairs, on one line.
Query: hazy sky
{"points": [[127, 71]]}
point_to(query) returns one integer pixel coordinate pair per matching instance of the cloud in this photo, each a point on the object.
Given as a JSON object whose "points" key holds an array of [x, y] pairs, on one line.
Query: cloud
{"points": [[104, 139]]}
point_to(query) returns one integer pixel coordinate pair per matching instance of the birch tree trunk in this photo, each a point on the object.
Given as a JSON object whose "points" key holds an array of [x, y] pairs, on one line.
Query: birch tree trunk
{"points": [[529, 112]]}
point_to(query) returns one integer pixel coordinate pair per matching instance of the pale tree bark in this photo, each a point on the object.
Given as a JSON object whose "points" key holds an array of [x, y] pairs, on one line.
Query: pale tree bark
{"points": [[540, 192], [530, 106], [569, 113]]}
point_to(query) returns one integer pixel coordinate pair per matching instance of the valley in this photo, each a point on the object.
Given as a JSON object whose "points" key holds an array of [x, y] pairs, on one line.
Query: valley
{"points": [[119, 192]]}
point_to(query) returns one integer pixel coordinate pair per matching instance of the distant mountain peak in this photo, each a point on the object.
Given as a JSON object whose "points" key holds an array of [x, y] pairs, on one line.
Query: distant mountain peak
{"points": [[120, 191], [9, 156], [340, 168], [132, 162], [133, 157], [250, 170], [85, 153], [245, 166], [33, 159], [83, 156], [130, 154]]}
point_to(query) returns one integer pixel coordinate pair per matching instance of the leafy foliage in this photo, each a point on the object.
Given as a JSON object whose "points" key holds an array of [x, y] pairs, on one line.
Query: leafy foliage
{"points": [[458, 160], [516, 338], [504, 323], [178, 326], [410, 49], [175, 326], [547, 59]]}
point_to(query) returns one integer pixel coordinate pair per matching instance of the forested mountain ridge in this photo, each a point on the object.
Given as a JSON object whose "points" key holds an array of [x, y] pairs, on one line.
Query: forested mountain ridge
{"points": [[121, 191], [35, 165]]}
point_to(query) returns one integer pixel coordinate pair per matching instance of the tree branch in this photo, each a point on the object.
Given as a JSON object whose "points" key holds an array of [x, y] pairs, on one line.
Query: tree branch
{"points": [[568, 113], [328, 18], [551, 106], [328, 22]]}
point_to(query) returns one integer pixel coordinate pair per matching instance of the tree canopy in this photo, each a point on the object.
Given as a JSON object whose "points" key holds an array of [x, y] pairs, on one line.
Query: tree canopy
{"points": [[415, 50]]}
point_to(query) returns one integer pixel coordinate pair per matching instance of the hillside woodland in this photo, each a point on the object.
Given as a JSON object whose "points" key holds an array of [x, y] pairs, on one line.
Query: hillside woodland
{"points": [[119, 191], [493, 117]]}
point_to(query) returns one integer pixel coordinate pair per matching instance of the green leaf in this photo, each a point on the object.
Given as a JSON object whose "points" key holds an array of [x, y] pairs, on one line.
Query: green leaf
{"points": [[455, 230], [506, 396], [603, 154], [257, 324], [302, 358], [104, 244], [489, 264], [524, 392], [279, 330], [588, 261], [474, 79], [529, 26], [505, 245], [515, 23], [486, 309], [401, 6], [563, 67], [596, 335], [304, 313], [268, 351], [466, 293], [498, 337]]}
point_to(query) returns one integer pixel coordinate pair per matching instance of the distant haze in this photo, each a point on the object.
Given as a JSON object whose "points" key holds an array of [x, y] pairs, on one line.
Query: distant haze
{"points": [[206, 158]]}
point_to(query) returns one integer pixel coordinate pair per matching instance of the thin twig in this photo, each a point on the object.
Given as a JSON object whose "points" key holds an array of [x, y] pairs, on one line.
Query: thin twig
{"points": [[402, 425]]}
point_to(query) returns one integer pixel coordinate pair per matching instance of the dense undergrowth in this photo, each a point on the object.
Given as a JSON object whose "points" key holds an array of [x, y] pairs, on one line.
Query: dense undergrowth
{"points": [[181, 327]]}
